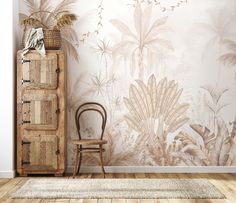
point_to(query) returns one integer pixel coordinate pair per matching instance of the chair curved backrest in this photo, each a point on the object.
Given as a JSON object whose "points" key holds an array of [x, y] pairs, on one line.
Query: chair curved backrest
{"points": [[90, 106]]}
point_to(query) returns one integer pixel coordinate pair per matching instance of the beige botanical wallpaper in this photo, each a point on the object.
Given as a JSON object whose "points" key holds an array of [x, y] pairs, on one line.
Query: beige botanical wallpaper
{"points": [[165, 72]]}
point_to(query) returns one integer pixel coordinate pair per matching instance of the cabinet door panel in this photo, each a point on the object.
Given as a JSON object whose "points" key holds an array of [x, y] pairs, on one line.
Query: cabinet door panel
{"points": [[39, 152], [39, 72], [39, 111]]}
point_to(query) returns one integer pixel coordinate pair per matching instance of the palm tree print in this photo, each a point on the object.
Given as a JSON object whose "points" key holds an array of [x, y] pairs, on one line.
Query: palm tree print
{"points": [[138, 45], [218, 29]]}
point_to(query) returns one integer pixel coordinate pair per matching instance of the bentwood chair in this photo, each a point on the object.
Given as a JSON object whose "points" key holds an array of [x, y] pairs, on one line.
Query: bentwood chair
{"points": [[89, 145]]}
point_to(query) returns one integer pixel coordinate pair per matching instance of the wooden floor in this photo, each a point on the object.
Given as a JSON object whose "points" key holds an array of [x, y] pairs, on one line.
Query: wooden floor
{"points": [[226, 183]]}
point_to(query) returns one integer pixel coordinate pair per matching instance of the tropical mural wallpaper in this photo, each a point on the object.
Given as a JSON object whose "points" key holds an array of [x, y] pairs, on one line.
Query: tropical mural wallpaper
{"points": [[165, 72]]}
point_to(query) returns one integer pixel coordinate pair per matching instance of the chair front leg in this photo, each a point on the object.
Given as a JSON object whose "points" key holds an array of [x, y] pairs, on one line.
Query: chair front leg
{"points": [[101, 159], [76, 162], [80, 159]]}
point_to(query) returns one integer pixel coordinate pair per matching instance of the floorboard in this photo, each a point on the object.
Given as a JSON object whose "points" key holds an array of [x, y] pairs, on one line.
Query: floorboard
{"points": [[226, 183]]}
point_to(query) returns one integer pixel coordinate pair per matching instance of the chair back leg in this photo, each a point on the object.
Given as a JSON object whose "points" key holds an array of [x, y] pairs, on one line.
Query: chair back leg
{"points": [[101, 159], [78, 160]]}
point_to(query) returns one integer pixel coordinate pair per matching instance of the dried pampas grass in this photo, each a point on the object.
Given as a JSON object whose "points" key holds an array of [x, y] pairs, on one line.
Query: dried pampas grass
{"points": [[30, 22], [64, 19]]}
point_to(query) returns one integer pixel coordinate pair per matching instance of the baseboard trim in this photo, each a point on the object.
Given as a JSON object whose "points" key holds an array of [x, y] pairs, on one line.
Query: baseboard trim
{"points": [[7, 174], [157, 169]]}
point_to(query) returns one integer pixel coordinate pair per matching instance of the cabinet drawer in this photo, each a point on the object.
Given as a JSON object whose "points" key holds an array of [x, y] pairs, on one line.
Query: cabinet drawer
{"points": [[39, 151], [40, 72], [39, 111]]}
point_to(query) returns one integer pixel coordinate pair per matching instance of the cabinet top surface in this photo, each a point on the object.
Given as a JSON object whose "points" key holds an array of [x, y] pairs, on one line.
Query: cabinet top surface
{"points": [[47, 51]]}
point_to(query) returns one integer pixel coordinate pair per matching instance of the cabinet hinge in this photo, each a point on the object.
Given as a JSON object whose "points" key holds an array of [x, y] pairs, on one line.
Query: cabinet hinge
{"points": [[23, 122], [25, 142], [57, 152], [25, 61], [25, 162], [25, 102], [25, 81]]}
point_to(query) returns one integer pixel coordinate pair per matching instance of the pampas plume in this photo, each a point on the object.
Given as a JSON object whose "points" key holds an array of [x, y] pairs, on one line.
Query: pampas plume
{"points": [[29, 21], [64, 19]]}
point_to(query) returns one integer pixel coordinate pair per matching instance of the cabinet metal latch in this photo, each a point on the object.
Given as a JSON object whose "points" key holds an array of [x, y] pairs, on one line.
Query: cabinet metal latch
{"points": [[25, 142], [58, 111], [23, 122], [25, 61], [25, 81], [57, 152], [25, 102], [58, 70], [25, 162]]}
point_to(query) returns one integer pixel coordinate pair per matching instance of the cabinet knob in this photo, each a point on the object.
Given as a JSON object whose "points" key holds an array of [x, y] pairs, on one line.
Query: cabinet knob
{"points": [[58, 111], [58, 70], [57, 152]]}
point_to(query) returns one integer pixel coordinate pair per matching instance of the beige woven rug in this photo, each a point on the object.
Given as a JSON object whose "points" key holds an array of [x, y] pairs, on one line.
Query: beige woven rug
{"points": [[119, 188]]}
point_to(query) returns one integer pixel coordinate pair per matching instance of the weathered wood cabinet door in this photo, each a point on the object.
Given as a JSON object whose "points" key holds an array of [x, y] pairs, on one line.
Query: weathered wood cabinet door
{"points": [[39, 72], [39, 152], [41, 113]]}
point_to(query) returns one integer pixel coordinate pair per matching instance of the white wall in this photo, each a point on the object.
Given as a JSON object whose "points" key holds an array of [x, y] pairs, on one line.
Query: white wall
{"points": [[7, 56]]}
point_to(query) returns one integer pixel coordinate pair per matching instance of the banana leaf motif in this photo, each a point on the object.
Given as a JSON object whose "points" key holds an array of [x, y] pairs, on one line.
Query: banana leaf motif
{"points": [[222, 145], [218, 146], [154, 112], [155, 103], [216, 150]]}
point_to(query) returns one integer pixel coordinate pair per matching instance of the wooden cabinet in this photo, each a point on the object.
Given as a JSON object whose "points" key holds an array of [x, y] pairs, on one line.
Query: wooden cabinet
{"points": [[41, 113]]}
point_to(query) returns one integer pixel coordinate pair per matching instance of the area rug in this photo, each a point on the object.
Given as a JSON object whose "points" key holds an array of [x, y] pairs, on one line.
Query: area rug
{"points": [[119, 188]]}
